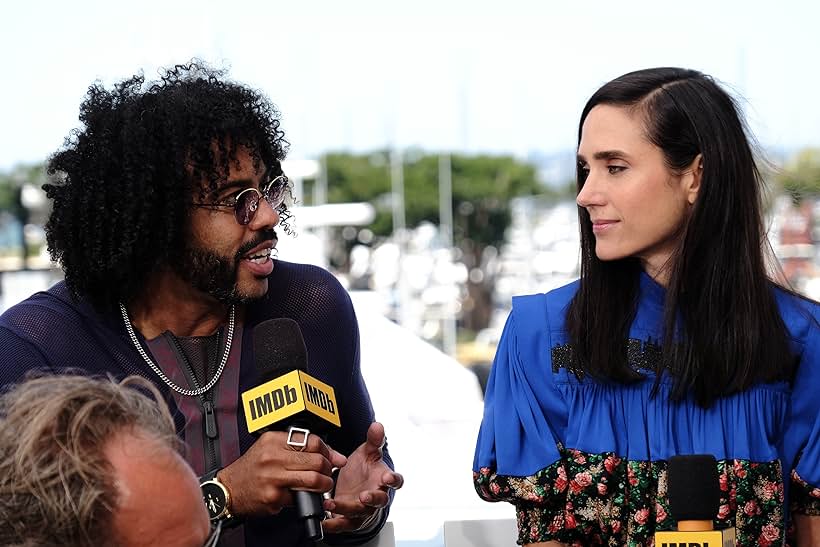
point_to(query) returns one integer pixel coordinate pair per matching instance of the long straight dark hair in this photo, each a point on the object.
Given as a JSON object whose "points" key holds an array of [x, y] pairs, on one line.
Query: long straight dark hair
{"points": [[722, 328]]}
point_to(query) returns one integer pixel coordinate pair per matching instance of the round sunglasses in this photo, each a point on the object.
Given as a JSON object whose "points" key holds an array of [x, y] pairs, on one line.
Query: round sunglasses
{"points": [[246, 203]]}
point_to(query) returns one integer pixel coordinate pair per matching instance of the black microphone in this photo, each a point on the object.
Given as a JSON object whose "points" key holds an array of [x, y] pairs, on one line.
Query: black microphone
{"points": [[288, 398], [693, 487]]}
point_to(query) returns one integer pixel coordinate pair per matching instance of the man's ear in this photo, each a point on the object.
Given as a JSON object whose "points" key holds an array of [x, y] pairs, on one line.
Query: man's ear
{"points": [[692, 178]]}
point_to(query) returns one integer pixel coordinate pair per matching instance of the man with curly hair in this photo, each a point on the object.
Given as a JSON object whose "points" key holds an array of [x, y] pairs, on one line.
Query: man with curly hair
{"points": [[165, 204], [86, 462]]}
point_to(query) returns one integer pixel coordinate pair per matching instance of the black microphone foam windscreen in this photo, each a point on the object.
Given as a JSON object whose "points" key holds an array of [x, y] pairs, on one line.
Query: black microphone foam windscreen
{"points": [[278, 348], [693, 487]]}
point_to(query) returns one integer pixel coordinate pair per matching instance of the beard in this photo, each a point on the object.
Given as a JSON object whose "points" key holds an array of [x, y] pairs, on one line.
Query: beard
{"points": [[215, 274]]}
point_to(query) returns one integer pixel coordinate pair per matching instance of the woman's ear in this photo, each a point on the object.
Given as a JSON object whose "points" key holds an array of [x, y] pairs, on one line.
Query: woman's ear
{"points": [[692, 179]]}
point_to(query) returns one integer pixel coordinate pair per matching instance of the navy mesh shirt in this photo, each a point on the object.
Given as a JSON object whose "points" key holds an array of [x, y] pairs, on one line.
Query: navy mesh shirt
{"points": [[50, 331]]}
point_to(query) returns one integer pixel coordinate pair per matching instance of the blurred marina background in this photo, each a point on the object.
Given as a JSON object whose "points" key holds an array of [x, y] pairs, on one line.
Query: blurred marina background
{"points": [[432, 152]]}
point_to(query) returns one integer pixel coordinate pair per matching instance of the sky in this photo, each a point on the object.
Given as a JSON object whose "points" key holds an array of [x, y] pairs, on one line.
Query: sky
{"points": [[471, 76]]}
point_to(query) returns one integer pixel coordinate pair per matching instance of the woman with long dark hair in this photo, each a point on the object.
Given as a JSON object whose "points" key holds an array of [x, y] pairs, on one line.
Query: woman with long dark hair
{"points": [[675, 340]]}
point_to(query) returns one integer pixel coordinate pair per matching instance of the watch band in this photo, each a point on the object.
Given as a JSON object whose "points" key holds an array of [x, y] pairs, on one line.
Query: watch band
{"points": [[216, 496], [210, 475]]}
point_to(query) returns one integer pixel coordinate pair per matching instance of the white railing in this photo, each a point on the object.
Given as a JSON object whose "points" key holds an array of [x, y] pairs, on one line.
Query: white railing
{"points": [[480, 533]]}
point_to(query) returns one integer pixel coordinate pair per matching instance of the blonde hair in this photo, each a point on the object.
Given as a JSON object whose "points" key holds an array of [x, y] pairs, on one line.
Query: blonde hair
{"points": [[56, 485]]}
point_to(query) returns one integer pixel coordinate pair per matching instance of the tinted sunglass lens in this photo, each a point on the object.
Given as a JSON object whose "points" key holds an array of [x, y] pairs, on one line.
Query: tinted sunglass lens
{"points": [[275, 193], [276, 196], [246, 206]]}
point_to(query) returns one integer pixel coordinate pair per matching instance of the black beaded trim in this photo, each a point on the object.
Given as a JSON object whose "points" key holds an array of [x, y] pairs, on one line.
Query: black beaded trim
{"points": [[641, 355], [562, 358]]}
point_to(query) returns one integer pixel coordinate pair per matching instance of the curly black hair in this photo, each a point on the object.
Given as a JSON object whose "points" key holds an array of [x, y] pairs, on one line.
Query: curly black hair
{"points": [[122, 184]]}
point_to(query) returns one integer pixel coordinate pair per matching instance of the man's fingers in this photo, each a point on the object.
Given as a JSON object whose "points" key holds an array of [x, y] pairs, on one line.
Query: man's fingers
{"points": [[374, 498], [393, 480], [301, 457], [310, 481], [316, 444], [359, 505], [337, 458], [376, 438], [339, 523], [307, 461], [348, 507], [279, 440], [329, 505]]}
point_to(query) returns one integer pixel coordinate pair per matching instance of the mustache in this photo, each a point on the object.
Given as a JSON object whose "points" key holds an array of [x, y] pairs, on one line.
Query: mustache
{"points": [[265, 235]]}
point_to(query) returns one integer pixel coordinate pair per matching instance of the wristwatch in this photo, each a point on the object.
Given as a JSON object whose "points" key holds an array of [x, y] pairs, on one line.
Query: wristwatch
{"points": [[216, 497]]}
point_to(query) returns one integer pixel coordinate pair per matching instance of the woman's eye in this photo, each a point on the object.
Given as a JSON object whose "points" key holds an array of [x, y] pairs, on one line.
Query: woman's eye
{"points": [[583, 171], [615, 169]]}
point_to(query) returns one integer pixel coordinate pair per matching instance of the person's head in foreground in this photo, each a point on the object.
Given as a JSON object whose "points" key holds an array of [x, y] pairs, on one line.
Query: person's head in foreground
{"points": [[90, 462]]}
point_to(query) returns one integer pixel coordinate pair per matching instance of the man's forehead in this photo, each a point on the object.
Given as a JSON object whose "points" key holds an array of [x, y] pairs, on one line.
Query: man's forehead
{"points": [[243, 175], [240, 169]]}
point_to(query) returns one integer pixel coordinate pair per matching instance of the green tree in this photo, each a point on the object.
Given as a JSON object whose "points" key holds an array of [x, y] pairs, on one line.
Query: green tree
{"points": [[482, 187], [801, 175]]}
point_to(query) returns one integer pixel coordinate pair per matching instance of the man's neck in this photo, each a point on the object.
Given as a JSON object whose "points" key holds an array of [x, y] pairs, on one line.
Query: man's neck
{"points": [[170, 304]]}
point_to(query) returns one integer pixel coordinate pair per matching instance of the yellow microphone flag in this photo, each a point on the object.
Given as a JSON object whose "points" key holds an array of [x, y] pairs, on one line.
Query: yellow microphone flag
{"points": [[286, 396]]}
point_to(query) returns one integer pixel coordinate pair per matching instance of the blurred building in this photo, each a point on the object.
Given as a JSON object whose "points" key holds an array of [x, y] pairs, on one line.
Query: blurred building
{"points": [[795, 238]]}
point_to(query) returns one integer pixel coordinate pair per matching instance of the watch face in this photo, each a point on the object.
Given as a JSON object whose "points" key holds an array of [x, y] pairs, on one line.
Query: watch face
{"points": [[214, 497]]}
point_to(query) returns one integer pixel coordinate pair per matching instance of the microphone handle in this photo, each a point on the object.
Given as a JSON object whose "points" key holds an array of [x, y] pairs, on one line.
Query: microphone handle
{"points": [[309, 505], [309, 508]]}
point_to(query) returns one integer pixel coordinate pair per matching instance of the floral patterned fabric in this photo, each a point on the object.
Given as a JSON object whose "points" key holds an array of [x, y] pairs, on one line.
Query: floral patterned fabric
{"points": [[602, 499], [805, 499]]}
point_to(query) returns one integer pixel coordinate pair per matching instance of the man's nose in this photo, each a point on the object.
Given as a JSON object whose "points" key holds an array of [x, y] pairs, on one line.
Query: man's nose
{"points": [[266, 216]]}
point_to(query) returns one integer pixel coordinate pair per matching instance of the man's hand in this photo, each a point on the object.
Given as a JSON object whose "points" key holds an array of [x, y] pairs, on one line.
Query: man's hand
{"points": [[362, 486], [260, 480]]}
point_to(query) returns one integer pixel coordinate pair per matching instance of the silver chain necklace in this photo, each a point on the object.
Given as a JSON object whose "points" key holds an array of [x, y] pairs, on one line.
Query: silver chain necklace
{"points": [[163, 377]]}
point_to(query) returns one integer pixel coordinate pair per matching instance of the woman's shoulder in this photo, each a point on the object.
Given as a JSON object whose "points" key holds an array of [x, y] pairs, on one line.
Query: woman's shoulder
{"points": [[550, 306], [556, 300], [564, 293], [800, 314]]}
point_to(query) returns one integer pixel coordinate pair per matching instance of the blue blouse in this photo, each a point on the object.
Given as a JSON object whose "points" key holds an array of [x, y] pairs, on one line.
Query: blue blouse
{"points": [[585, 462]]}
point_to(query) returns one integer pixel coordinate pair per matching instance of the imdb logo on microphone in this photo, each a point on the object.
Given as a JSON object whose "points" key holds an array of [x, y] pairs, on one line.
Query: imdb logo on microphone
{"points": [[286, 396], [710, 538]]}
